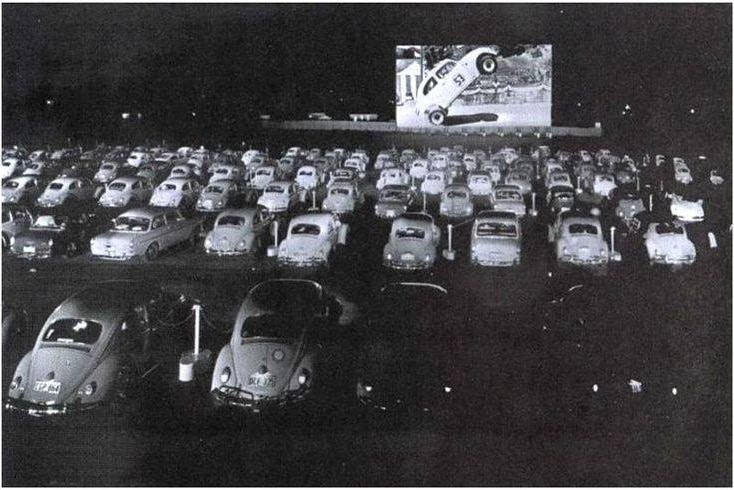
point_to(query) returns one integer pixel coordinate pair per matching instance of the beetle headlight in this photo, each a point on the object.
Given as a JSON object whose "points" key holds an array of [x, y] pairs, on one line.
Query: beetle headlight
{"points": [[389, 256], [242, 245], [225, 375], [428, 257], [368, 388], [50, 242], [303, 377], [208, 242], [15, 384], [90, 388], [12, 240]]}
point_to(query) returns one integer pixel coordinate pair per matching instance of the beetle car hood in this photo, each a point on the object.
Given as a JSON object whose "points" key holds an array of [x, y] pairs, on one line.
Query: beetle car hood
{"points": [[576, 242], [55, 374], [273, 199], [257, 369], [165, 196], [304, 244], [673, 244], [502, 245], [230, 234], [417, 247]]}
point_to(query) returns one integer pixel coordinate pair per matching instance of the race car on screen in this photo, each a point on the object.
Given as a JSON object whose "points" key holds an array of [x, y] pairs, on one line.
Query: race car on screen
{"points": [[449, 78], [96, 345], [271, 357]]}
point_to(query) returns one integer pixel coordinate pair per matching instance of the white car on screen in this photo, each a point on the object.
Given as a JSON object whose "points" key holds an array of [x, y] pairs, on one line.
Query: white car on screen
{"points": [[668, 244], [508, 198], [448, 79], [263, 177], [480, 184], [434, 183], [685, 210], [311, 239], [176, 193], [341, 198], [279, 196], [126, 191]]}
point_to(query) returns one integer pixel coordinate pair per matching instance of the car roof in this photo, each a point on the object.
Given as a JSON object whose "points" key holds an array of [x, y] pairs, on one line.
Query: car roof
{"points": [[148, 211], [497, 215], [246, 213], [178, 180], [320, 219], [128, 180]]}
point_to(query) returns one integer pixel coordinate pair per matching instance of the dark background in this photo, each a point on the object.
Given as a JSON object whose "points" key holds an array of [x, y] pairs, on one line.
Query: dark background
{"points": [[230, 63]]}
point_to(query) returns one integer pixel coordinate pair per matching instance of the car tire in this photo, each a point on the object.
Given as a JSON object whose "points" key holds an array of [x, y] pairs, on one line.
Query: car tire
{"points": [[437, 117], [486, 64], [151, 253]]}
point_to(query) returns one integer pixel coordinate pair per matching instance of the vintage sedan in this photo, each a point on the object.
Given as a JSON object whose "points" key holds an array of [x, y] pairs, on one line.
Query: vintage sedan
{"points": [[107, 172], [686, 210], [145, 232], [23, 189], [342, 198], [434, 183], [279, 196], [419, 168], [264, 176], [272, 357], [228, 172], [496, 239], [520, 179], [392, 176], [311, 239], [410, 354], [94, 348], [393, 201], [238, 232], [456, 201], [561, 198], [579, 240], [16, 219], [449, 78], [508, 198], [309, 177], [182, 171], [67, 190], [413, 242], [480, 184], [218, 195], [667, 243], [63, 232], [126, 191], [604, 185], [176, 193]]}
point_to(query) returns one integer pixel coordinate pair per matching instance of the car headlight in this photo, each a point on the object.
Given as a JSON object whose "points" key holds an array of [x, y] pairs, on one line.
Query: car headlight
{"points": [[50, 242], [90, 388], [389, 256], [225, 375], [603, 252], [368, 388], [15, 384], [12, 241], [242, 245], [208, 243], [303, 377], [172, 202], [428, 258], [219, 205]]}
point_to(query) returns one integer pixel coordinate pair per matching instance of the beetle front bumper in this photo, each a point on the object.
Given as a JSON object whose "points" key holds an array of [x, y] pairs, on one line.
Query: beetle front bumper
{"points": [[231, 396], [40, 410]]}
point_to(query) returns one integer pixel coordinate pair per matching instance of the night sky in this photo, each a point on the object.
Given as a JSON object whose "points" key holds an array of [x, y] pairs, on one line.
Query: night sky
{"points": [[229, 63]]}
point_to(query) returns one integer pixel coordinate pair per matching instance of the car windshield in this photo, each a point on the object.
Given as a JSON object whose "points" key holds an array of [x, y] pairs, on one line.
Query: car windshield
{"points": [[117, 186], [582, 229], [480, 179], [34, 166], [132, 223], [305, 229], [214, 189], [605, 178], [306, 172], [668, 229], [275, 189], [456, 195], [11, 184], [222, 171], [229, 220], [434, 177], [272, 326], [411, 233], [167, 187], [496, 229], [507, 195], [263, 171], [393, 195], [73, 331], [55, 186], [48, 222], [7, 163], [339, 192]]}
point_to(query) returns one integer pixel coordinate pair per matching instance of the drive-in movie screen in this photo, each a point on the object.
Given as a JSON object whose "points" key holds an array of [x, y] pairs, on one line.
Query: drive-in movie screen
{"points": [[468, 85]]}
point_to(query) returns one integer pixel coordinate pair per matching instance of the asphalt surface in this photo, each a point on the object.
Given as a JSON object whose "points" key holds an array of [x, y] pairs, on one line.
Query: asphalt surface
{"points": [[515, 422]]}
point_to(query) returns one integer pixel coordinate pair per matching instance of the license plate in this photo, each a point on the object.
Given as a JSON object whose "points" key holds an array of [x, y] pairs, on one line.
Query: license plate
{"points": [[262, 380], [390, 214], [52, 387], [208, 204], [29, 250], [407, 257]]}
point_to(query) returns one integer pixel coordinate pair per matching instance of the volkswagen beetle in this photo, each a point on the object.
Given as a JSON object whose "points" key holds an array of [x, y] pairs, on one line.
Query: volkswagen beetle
{"points": [[414, 238], [496, 239], [393, 201], [238, 231], [667, 243]]}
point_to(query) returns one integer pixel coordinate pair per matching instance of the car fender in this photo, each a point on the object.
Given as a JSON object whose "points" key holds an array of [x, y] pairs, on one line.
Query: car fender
{"points": [[105, 377], [22, 370], [224, 359]]}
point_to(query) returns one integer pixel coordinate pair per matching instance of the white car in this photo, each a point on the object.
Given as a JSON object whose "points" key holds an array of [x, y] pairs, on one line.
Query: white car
{"points": [[66, 190], [384, 160], [263, 177], [494, 171], [218, 195], [557, 177], [604, 185], [362, 155], [308, 177], [579, 240], [480, 184], [355, 163], [520, 179], [138, 158], [456, 201], [228, 172], [686, 211], [413, 242], [434, 183], [126, 191], [11, 167], [509, 198], [311, 239], [295, 152], [279, 196], [392, 176], [341, 198], [39, 169], [182, 171], [249, 156], [683, 174], [668, 244], [176, 193], [440, 161], [20, 189], [185, 151], [107, 172], [287, 165], [238, 231], [449, 78], [496, 239], [419, 168]]}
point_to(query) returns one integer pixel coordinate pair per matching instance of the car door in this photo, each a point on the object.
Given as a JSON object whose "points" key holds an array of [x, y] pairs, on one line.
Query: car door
{"points": [[176, 230]]}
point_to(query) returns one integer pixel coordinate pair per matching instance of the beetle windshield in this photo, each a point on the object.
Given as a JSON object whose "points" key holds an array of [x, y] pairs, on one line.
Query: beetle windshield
{"points": [[56, 186], [456, 195], [222, 171], [73, 331], [275, 189], [393, 195], [11, 184], [117, 186], [132, 223], [167, 187], [264, 171], [668, 229], [272, 326], [507, 195], [339, 191], [480, 179], [229, 220], [582, 229], [305, 229], [496, 229], [411, 233], [214, 189], [47, 222]]}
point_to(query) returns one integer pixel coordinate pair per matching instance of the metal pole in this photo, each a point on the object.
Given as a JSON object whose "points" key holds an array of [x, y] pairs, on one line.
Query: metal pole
{"points": [[612, 230], [533, 197], [313, 198], [637, 178], [275, 232], [451, 229], [197, 328], [578, 183], [650, 207], [424, 202]]}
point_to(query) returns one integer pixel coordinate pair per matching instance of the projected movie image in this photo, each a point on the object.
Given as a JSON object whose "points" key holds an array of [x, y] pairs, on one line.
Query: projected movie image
{"points": [[473, 86]]}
